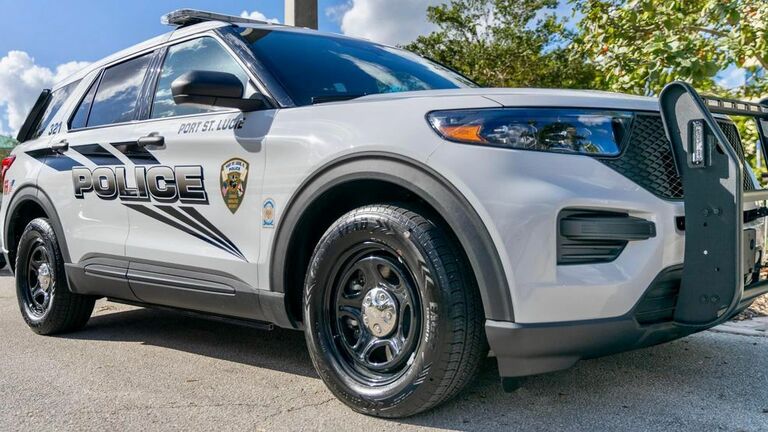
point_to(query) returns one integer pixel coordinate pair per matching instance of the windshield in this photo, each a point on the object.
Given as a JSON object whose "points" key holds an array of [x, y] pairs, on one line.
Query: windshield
{"points": [[316, 68]]}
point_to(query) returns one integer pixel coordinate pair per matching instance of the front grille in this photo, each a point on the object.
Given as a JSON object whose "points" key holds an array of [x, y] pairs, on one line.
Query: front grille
{"points": [[732, 133], [649, 161]]}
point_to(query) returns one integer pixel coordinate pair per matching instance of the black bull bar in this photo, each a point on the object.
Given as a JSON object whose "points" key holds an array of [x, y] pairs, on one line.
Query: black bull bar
{"points": [[720, 275]]}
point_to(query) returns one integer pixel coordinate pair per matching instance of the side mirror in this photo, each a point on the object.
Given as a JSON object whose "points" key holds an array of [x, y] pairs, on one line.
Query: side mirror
{"points": [[210, 88]]}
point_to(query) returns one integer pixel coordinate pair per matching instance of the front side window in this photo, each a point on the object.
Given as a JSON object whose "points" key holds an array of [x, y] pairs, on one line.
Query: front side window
{"points": [[204, 54], [117, 97], [318, 68]]}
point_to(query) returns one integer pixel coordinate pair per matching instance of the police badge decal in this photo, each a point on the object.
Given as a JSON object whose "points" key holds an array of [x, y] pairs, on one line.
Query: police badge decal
{"points": [[234, 178]]}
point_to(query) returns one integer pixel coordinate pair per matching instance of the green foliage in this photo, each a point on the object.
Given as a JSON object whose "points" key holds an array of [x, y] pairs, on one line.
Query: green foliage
{"points": [[504, 43], [6, 145], [630, 46], [640, 45]]}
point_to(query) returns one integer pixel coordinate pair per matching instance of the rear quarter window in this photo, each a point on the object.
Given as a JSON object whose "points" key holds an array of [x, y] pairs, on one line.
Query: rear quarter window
{"points": [[44, 124]]}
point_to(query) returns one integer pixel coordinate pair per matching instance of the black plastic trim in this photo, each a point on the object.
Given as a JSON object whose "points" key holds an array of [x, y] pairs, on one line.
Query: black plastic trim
{"points": [[531, 349], [36, 195], [153, 284], [586, 236], [606, 227], [34, 115], [423, 182]]}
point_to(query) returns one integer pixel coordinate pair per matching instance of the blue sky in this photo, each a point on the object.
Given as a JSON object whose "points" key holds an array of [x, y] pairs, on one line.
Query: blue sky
{"points": [[59, 31]]}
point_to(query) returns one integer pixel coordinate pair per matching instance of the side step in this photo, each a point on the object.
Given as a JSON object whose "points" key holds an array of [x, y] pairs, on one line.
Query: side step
{"points": [[260, 325]]}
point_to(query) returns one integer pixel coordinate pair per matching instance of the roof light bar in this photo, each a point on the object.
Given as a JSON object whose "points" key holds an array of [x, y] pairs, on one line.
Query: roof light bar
{"points": [[185, 17], [736, 107]]}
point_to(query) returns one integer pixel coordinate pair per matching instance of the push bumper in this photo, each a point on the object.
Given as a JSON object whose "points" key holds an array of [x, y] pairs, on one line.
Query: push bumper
{"points": [[721, 274]]}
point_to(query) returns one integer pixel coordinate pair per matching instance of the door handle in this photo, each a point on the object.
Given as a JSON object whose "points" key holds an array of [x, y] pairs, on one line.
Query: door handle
{"points": [[152, 139], [60, 147]]}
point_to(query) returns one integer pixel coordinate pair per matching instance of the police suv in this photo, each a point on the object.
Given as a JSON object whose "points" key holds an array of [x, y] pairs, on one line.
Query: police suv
{"points": [[403, 218]]}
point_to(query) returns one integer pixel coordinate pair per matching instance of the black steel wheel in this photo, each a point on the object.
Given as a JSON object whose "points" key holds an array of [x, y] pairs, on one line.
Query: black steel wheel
{"points": [[375, 314], [46, 304], [40, 279], [393, 317]]}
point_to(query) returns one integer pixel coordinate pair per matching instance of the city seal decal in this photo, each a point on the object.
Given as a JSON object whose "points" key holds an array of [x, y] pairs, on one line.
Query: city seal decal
{"points": [[234, 179], [268, 213]]}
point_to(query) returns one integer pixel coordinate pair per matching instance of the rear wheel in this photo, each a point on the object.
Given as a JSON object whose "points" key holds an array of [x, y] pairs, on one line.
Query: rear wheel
{"points": [[393, 318], [46, 304]]}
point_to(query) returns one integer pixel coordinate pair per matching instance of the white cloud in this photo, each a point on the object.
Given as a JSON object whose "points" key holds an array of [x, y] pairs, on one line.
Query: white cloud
{"points": [[256, 15], [21, 81], [392, 22]]}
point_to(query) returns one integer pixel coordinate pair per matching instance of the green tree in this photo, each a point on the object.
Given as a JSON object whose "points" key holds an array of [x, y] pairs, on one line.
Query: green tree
{"points": [[638, 46], [504, 43], [6, 145]]}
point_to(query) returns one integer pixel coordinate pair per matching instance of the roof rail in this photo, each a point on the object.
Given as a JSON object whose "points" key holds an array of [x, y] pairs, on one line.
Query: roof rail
{"points": [[186, 17]]}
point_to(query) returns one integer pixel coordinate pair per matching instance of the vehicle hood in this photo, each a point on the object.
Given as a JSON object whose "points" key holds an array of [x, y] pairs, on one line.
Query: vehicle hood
{"points": [[533, 98]]}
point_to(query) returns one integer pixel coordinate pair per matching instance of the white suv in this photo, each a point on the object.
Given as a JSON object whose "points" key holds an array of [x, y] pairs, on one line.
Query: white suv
{"points": [[403, 218]]}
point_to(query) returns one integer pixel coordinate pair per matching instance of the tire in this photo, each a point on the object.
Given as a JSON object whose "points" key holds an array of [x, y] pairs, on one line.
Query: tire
{"points": [[46, 304], [389, 259]]}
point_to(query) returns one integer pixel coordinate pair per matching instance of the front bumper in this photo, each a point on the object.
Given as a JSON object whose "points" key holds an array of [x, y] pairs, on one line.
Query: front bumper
{"points": [[721, 271], [531, 349]]}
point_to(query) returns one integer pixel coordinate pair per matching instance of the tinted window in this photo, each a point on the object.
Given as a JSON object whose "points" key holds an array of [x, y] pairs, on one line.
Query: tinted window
{"points": [[80, 118], [118, 92], [314, 68], [58, 97], [198, 54]]}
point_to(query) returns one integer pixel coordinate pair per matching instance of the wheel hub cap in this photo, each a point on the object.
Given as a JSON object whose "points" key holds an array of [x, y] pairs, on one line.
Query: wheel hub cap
{"points": [[379, 312], [44, 276]]}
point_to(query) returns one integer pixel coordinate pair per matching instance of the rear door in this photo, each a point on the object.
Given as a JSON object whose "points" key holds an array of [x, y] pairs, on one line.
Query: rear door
{"points": [[194, 244], [91, 170]]}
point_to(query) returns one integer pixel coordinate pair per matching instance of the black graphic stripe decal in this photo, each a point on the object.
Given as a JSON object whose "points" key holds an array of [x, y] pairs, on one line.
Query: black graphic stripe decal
{"points": [[221, 238], [200, 218], [138, 155], [168, 221], [97, 154], [52, 159]]}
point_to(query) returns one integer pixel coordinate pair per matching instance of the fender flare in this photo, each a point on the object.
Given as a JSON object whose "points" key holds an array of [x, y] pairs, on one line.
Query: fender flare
{"points": [[423, 182], [34, 194]]}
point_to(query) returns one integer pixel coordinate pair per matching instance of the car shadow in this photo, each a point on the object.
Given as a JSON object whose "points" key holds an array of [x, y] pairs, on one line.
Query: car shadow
{"points": [[279, 349], [698, 371]]}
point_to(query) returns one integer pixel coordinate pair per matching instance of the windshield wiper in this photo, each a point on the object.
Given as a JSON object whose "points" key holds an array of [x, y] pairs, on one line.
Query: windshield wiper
{"points": [[335, 98]]}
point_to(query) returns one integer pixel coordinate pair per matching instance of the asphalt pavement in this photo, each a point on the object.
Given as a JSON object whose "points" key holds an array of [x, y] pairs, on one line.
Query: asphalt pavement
{"points": [[142, 370]]}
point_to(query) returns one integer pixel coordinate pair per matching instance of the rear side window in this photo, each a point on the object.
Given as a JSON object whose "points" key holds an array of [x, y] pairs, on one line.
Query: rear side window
{"points": [[116, 99], [204, 54]]}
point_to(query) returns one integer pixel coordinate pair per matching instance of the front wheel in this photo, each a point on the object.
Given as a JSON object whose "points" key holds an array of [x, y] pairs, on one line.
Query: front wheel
{"points": [[46, 304], [393, 318]]}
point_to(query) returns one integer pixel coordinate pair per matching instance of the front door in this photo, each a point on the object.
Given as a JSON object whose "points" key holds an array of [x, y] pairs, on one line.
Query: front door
{"points": [[194, 241]]}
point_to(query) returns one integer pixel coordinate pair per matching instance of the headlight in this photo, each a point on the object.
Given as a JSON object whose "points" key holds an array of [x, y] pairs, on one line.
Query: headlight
{"points": [[594, 132]]}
